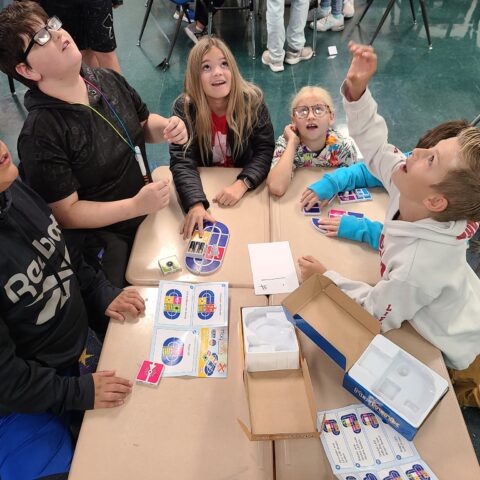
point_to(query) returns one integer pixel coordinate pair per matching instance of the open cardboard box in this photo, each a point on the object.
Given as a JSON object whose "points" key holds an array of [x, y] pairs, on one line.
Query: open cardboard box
{"points": [[281, 403], [390, 381]]}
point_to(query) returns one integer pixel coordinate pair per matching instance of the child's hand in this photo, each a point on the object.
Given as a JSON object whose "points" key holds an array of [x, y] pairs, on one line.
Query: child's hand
{"points": [[290, 134], [310, 198], [152, 197], [127, 301], [175, 131], [331, 225], [110, 391], [230, 195], [195, 217], [362, 69], [309, 266]]}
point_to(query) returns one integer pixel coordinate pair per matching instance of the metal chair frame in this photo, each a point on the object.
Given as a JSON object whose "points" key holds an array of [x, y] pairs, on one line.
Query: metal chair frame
{"points": [[387, 11]]}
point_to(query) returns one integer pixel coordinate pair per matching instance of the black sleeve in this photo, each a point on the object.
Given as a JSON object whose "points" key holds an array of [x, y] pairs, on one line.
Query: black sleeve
{"points": [[28, 387], [262, 142], [97, 291], [183, 165]]}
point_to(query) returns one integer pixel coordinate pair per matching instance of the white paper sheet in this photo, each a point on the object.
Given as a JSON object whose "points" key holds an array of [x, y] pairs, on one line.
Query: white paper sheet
{"points": [[272, 268]]}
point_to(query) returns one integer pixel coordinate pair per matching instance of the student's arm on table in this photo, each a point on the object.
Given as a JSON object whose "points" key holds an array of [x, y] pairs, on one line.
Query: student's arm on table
{"points": [[262, 142], [365, 126], [97, 291], [71, 212], [281, 171], [29, 387], [390, 301], [158, 129], [340, 180]]}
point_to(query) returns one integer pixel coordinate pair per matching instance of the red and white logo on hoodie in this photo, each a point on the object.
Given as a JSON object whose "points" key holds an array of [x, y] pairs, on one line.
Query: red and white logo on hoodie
{"points": [[469, 231]]}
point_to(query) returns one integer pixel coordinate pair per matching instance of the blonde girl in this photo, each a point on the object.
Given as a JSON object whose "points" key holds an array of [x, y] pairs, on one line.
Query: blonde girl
{"points": [[229, 126], [309, 140]]}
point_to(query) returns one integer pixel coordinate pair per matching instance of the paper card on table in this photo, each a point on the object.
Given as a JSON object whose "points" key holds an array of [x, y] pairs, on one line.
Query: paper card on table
{"points": [[272, 268], [332, 50], [212, 355]]}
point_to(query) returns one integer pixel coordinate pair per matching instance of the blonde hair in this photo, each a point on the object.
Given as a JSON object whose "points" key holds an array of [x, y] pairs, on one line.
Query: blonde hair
{"points": [[461, 185], [313, 91], [244, 100]]}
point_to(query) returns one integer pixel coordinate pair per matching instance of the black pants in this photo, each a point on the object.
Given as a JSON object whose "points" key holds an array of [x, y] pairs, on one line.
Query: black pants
{"points": [[201, 10]]}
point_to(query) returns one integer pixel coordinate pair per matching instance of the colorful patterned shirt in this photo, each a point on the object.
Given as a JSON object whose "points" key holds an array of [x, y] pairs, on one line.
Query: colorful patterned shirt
{"points": [[338, 151]]}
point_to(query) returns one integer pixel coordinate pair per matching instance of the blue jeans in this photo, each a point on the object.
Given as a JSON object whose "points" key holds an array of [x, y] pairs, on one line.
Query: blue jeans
{"points": [[337, 6], [34, 445]]}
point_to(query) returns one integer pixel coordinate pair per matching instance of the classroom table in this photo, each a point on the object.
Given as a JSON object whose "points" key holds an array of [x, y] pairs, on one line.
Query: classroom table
{"points": [[287, 222], [184, 429], [442, 441], [158, 236]]}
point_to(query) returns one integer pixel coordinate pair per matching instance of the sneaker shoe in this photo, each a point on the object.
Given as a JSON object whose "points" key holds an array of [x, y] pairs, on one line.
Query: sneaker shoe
{"points": [[348, 8], [189, 14], [321, 13], [274, 66], [329, 23], [193, 33], [293, 57]]}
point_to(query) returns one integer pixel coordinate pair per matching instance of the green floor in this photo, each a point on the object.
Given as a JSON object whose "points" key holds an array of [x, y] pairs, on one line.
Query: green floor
{"points": [[416, 88]]}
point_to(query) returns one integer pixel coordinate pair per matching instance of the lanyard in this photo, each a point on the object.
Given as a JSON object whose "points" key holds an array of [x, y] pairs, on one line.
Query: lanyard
{"points": [[135, 149]]}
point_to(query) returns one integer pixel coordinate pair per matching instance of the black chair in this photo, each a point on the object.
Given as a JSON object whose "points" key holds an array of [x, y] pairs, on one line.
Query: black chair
{"points": [[475, 121], [245, 5], [165, 63], [387, 11]]}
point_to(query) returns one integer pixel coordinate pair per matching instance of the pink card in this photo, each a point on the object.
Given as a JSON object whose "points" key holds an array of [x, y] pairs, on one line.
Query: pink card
{"points": [[150, 373], [336, 213]]}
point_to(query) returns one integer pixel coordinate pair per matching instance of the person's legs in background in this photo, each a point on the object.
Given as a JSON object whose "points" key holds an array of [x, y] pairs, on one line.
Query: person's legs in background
{"points": [[198, 29], [334, 21], [273, 57], [297, 51]]}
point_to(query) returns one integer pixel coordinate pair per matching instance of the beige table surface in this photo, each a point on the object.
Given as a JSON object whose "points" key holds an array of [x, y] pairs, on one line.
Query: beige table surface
{"points": [[185, 429], [287, 222], [442, 441], [158, 236]]}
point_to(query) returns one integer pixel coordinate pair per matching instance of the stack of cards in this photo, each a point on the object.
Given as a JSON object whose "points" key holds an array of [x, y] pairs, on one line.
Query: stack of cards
{"points": [[149, 373], [339, 213], [357, 195]]}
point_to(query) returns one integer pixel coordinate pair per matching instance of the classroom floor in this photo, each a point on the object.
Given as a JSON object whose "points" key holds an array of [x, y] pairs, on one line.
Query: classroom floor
{"points": [[415, 87]]}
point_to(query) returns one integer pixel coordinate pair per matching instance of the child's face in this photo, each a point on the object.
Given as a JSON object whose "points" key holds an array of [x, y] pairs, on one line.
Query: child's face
{"points": [[8, 171], [216, 77], [312, 127], [424, 168], [55, 59]]}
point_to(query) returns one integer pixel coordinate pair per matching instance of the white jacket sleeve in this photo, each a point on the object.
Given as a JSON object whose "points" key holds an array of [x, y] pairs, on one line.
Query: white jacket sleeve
{"points": [[386, 301], [370, 132]]}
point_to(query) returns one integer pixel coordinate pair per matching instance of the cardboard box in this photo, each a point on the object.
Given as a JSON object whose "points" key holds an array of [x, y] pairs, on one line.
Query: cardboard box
{"points": [[269, 340], [390, 381], [281, 403]]}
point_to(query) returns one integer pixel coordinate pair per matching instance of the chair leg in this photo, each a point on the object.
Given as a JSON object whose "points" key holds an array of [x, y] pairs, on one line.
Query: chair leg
{"points": [[412, 8], [210, 18], [369, 4], [382, 21], [252, 26], [475, 121], [145, 18], [165, 63], [11, 85], [425, 22], [314, 35]]}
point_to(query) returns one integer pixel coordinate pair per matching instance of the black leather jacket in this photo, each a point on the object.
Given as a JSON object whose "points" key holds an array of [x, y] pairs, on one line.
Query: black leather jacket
{"points": [[255, 158]]}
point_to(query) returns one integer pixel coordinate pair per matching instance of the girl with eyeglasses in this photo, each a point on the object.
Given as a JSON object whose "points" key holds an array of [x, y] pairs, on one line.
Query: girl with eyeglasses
{"points": [[309, 140]]}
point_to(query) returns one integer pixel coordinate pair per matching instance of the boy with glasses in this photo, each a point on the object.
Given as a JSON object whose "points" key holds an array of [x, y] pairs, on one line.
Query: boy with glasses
{"points": [[82, 147]]}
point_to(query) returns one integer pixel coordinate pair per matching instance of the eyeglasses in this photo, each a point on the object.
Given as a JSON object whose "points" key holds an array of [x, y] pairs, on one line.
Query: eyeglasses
{"points": [[43, 36], [318, 110]]}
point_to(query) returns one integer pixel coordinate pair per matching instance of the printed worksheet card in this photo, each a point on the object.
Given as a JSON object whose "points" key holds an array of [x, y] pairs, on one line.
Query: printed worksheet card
{"points": [[174, 304], [185, 305], [176, 350], [360, 446], [210, 305], [212, 354]]}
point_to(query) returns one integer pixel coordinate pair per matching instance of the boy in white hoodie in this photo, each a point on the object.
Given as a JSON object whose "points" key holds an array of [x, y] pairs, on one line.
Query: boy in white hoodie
{"points": [[434, 206]]}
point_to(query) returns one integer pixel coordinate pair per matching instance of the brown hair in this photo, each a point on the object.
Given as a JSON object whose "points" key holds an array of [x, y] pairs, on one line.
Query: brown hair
{"points": [[18, 21], [244, 100], [441, 132], [461, 185]]}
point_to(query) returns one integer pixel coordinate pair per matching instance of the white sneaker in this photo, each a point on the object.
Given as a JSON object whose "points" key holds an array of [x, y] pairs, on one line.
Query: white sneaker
{"points": [[189, 14], [194, 34], [293, 57], [329, 23], [274, 66], [321, 13], [348, 8]]}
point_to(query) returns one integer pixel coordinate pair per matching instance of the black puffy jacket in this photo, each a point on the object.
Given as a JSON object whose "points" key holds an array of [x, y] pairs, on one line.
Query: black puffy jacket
{"points": [[255, 157]]}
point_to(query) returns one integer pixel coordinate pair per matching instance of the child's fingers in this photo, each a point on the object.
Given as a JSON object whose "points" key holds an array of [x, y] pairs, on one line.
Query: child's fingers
{"points": [[115, 315]]}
